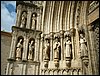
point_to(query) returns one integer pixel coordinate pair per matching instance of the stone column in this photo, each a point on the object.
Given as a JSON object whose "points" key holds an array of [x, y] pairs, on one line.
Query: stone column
{"points": [[37, 47], [13, 46], [7, 71], [28, 25], [35, 52], [51, 19], [43, 16], [92, 52], [38, 22], [24, 69], [37, 70], [19, 10], [68, 18], [71, 14], [72, 31], [62, 46], [25, 47], [41, 48], [11, 69], [51, 46], [61, 15], [58, 16]]}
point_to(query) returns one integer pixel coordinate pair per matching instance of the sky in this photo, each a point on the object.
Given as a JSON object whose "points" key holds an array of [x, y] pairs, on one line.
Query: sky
{"points": [[8, 15]]}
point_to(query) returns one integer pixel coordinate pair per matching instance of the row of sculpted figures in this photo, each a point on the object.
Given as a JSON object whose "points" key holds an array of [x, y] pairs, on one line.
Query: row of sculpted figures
{"points": [[68, 48], [19, 49], [24, 20]]}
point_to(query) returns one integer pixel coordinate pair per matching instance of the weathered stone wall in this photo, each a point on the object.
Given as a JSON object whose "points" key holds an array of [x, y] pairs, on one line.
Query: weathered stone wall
{"points": [[5, 49]]}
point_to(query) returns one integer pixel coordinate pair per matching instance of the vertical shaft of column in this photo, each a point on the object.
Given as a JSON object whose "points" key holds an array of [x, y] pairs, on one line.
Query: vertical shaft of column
{"points": [[13, 50], [24, 69], [38, 21], [51, 46], [18, 15], [62, 49], [11, 69], [68, 18], [37, 70], [38, 49], [28, 19], [58, 18], [51, 20], [7, 71], [62, 7], [66, 4], [73, 49], [37, 45], [41, 48], [71, 15], [43, 16], [24, 49], [91, 51], [35, 54]]}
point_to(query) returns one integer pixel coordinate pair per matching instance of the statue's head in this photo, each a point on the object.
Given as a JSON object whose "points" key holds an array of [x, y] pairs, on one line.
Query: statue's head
{"points": [[47, 38], [56, 36], [32, 41], [20, 40], [81, 35], [33, 15]]}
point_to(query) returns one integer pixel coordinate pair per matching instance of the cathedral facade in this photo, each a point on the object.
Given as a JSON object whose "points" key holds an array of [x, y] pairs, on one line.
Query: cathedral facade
{"points": [[55, 38]]}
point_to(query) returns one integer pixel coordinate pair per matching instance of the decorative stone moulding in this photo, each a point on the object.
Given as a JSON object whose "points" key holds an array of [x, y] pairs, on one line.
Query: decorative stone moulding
{"points": [[72, 31], [67, 34], [56, 62], [46, 63], [68, 61], [46, 37], [85, 61], [11, 59]]}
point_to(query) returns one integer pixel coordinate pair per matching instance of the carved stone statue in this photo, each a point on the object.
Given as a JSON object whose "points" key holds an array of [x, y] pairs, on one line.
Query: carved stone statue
{"points": [[83, 46], [68, 47], [31, 50], [33, 21], [23, 19], [47, 50], [19, 49], [56, 48]]}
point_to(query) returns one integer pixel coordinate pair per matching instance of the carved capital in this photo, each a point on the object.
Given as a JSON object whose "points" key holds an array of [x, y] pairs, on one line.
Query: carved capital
{"points": [[90, 27], [42, 37], [51, 35], [72, 31], [62, 34], [19, 7], [85, 61], [67, 34]]}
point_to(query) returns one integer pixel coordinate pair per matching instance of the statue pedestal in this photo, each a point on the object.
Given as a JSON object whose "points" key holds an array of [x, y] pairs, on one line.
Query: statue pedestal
{"points": [[56, 62], [46, 63], [85, 61], [68, 61]]}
